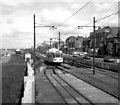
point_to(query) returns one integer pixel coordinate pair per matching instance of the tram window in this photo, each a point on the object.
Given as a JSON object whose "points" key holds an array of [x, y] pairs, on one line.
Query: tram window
{"points": [[53, 55], [57, 55]]}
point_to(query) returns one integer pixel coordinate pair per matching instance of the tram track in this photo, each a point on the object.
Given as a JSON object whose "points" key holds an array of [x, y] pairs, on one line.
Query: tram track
{"points": [[67, 90], [99, 70], [69, 94], [97, 83], [108, 78], [104, 86]]}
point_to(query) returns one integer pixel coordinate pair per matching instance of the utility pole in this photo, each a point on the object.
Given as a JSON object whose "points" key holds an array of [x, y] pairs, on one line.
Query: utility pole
{"points": [[59, 40], [93, 45], [34, 43], [50, 42]]}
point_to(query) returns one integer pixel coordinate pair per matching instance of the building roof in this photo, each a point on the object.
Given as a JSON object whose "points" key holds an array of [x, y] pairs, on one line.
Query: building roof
{"points": [[86, 39], [79, 37], [71, 37], [113, 31]]}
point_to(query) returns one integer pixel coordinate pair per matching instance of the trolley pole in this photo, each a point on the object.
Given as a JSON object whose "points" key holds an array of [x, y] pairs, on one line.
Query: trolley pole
{"points": [[93, 45], [34, 43], [59, 40]]}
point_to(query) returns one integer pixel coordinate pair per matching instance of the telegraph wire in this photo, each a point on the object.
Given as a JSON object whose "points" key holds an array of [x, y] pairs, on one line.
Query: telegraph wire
{"points": [[75, 13]]}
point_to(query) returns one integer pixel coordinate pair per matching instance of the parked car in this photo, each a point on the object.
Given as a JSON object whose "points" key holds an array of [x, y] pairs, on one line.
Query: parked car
{"points": [[75, 54], [84, 55], [108, 59]]}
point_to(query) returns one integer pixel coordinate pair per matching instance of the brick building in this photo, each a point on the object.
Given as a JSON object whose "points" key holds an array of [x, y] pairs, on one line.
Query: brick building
{"points": [[86, 44], [74, 43], [79, 43], [106, 41]]}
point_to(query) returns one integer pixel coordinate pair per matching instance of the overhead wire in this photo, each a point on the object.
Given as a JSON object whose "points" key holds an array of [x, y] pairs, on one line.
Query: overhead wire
{"points": [[74, 13], [101, 19], [107, 16]]}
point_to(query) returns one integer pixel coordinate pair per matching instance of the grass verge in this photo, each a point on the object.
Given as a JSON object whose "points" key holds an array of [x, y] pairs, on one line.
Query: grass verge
{"points": [[12, 79]]}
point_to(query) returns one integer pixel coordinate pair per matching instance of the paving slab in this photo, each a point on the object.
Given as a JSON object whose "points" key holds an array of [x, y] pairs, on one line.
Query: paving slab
{"points": [[92, 93]]}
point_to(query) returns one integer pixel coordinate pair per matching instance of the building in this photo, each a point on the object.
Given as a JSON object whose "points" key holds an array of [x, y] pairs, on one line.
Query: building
{"points": [[70, 43], [56, 44], [86, 44], [113, 42], [106, 41], [79, 43], [74, 43]]}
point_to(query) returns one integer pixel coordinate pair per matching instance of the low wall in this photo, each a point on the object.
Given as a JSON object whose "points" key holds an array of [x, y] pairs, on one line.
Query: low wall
{"points": [[29, 86], [103, 65]]}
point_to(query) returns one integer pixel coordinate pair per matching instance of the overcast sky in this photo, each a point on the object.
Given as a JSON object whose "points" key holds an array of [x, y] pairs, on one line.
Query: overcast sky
{"points": [[16, 25]]}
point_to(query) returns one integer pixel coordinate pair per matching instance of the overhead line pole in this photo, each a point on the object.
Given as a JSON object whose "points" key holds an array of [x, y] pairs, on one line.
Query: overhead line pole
{"points": [[34, 43], [50, 42], [59, 40], [93, 45]]}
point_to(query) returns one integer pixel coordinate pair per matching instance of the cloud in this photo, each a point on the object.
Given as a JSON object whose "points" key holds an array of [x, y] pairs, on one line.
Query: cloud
{"points": [[17, 23], [10, 21], [117, 0], [105, 6], [17, 39], [55, 15], [15, 2], [6, 10]]}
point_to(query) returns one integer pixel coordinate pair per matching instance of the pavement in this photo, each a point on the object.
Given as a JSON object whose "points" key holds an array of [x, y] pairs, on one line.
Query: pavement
{"points": [[89, 91], [104, 80]]}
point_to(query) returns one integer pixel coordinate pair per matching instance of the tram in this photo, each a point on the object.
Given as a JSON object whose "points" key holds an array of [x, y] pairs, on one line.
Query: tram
{"points": [[18, 51], [54, 55]]}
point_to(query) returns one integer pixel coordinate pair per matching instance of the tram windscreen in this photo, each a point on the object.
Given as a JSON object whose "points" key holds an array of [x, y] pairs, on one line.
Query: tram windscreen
{"points": [[57, 54]]}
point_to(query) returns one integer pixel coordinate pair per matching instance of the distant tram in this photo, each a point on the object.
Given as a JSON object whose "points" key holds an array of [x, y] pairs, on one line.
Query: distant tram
{"points": [[54, 55], [18, 51]]}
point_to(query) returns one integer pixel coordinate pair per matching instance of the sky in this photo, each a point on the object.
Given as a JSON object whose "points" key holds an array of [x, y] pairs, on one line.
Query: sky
{"points": [[17, 28]]}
